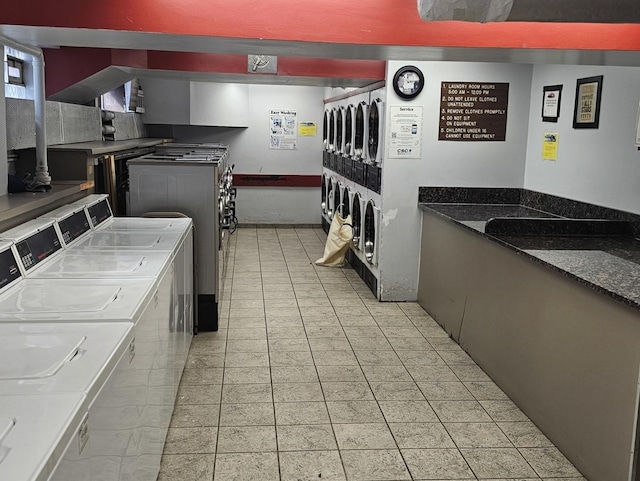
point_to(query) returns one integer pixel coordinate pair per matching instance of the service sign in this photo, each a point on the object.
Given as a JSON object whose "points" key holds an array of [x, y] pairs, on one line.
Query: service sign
{"points": [[405, 132]]}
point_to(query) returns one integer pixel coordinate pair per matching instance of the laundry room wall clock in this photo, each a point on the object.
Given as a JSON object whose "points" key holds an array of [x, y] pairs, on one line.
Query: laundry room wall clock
{"points": [[408, 82]]}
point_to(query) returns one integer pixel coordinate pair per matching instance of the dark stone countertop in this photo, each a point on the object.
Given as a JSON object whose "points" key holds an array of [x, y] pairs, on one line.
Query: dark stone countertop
{"points": [[607, 263]]}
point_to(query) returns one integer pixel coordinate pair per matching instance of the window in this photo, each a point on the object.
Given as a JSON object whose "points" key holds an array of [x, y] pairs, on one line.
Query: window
{"points": [[15, 71]]}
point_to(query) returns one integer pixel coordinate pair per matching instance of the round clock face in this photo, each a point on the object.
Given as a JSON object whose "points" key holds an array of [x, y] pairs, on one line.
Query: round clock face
{"points": [[408, 82]]}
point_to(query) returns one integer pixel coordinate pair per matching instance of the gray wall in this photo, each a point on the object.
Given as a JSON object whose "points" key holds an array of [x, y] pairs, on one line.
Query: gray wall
{"points": [[251, 154], [598, 166], [443, 163]]}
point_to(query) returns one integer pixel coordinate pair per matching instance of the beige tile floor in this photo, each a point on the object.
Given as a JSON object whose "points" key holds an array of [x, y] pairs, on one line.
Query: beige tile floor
{"points": [[310, 378]]}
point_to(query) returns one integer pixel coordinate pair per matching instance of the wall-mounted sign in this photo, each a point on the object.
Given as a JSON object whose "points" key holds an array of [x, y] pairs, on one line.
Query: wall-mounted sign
{"points": [[283, 129], [405, 132], [551, 95], [308, 129], [550, 146], [473, 111]]}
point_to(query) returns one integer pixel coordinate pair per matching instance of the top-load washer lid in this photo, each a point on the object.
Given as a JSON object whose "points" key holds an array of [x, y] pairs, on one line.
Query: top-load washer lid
{"points": [[40, 428], [35, 356], [34, 241], [98, 265], [147, 224], [9, 270], [66, 357], [72, 222], [66, 300], [129, 240]]}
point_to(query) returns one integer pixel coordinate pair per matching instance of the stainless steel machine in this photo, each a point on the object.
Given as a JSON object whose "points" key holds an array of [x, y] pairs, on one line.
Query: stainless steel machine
{"points": [[194, 179]]}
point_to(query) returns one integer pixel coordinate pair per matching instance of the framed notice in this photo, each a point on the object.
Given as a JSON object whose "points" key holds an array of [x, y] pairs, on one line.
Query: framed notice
{"points": [[405, 132], [551, 103], [283, 129], [586, 112]]}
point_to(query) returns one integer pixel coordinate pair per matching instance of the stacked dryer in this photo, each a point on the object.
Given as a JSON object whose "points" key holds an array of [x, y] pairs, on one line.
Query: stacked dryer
{"points": [[352, 173]]}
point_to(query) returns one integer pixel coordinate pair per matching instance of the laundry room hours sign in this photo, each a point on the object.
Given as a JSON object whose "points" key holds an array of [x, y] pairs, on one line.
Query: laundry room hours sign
{"points": [[473, 111], [283, 129]]}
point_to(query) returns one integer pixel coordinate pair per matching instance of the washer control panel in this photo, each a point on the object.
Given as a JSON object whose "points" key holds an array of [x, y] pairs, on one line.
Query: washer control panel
{"points": [[74, 226], [38, 247], [99, 212], [9, 271]]}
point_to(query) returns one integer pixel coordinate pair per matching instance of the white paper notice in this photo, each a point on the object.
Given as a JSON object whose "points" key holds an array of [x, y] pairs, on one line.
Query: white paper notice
{"points": [[405, 132], [283, 129]]}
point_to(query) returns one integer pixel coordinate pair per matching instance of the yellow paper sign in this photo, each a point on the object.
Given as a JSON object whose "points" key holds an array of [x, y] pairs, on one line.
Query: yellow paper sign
{"points": [[550, 146], [307, 129]]}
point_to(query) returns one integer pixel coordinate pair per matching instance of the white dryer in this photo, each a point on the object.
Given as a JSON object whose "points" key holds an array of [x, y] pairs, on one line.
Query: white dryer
{"points": [[325, 129], [346, 201], [332, 198], [357, 217], [324, 194], [331, 147], [375, 148], [44, 438], [337, 198], [371, 233], [349, 124], [361, 127], [340, 132]]}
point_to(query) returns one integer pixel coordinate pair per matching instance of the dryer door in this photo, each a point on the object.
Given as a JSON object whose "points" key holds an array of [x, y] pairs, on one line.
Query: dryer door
{"points": [[348, 131], [323, 193], [332, 131], [337, 201], [356, 216], [346, 202], [373, 143], [369, 232], [340, 130], [325, 130], [360, 135]]}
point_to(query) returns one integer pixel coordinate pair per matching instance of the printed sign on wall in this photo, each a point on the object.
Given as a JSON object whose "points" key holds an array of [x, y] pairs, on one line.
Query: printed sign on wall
{"points": [[405, 132], [473, 111], [283, 129]]}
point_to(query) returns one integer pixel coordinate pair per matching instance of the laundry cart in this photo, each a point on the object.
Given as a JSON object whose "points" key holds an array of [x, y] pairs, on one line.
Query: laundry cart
{"points": [[190, 179]]}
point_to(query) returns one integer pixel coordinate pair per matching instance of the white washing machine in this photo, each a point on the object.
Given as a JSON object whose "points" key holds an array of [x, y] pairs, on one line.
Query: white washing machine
{"points": [[133, 240], [33, 242], [44, 438], [375, 147], [94, 359], [361, 127], [35, 301], [99, 211], [71, 221]]}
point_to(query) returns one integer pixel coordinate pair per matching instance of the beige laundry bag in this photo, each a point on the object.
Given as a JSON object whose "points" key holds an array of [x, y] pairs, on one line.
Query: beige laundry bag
{"points": [[338, 241]]}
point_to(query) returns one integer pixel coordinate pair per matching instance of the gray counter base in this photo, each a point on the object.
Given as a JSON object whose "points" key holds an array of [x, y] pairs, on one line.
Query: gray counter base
{"points": [[566, 355]]}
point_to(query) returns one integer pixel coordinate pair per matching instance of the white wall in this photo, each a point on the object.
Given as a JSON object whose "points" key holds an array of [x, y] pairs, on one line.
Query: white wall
{"points": [[445, 163], [597, 166], [251, 154]]}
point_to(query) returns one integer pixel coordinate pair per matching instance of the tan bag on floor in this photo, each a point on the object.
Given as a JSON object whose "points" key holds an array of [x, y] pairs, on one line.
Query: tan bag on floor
{"points": [[338, 241]]}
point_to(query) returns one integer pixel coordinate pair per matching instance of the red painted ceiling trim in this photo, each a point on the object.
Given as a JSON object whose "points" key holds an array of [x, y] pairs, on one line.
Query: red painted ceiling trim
{"points": [[384, 22], [198, 62], [130, 58]]}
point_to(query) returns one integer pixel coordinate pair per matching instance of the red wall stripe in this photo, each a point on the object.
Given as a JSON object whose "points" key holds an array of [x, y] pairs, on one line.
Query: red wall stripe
{"points": [[384, 22], [276, 180]]}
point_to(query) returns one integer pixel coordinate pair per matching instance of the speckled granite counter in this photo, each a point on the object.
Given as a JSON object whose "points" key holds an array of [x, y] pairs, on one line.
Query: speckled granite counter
{"points": [[607, 261]]}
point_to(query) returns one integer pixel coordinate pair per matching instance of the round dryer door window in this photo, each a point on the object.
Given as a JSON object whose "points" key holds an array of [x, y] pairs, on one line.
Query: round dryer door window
{"points": [[325, 129], [358, 141], [346, 208], [336, 200], [369, 232], [374, 130], [339, 115], [356, 218], [323, 193], [332, 130], [348, 130]]}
